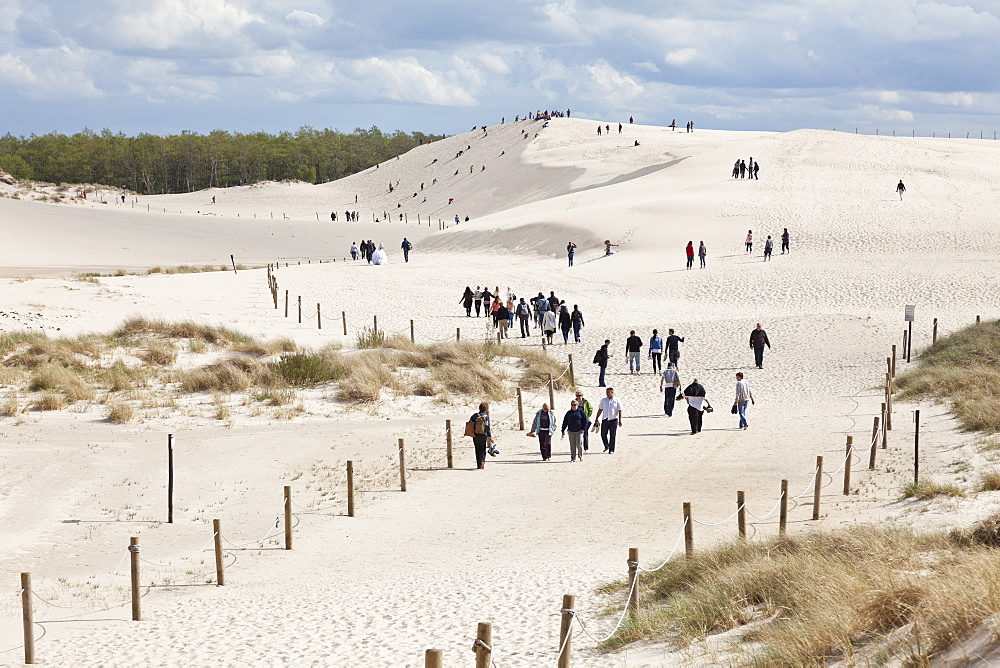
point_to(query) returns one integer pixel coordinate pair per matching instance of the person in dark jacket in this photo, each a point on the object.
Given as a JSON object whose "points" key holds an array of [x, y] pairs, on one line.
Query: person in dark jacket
{"points": [[565, 323], [694, 394], [467, 301], [601, 359], [632, 345], [482, 441], [758, 339], [502, 320], [577, 318], [576, 421], [543, 427], [523, 311], [487, 302]]}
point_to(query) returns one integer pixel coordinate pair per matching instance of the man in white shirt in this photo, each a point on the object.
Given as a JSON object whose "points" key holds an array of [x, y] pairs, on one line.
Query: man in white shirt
{"points": [[743, 397], [611, 409]]}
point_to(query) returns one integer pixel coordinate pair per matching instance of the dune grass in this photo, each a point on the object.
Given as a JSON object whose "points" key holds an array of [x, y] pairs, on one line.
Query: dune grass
{"points": [[826, 596], [964, 369], [927, 489]]}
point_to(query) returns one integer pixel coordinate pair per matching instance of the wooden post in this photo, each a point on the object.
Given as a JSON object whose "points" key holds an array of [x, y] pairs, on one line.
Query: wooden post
{"points": [[350, 489], [916, 447], [288, 517], [818, 486], [847, 465], [343, 316], [447, 430], [688, 531], [884, 422], [402, 467], [892, 370], [286, 303], [783, 512], [498, 337], [220, 575], [458, 334], [572, 376], [566, 629], [552, 394], [904, 341], [741, 514], [888, 402], [520, 411], [484, 645], [413, 338], [300, 309], [433, 658], [170, 478], [374, 324], [871, 457], [888, 364], [319, 319], [934, 335], [133, 549], [233, 260], [633, 584], [27, 619], [977, 319]]}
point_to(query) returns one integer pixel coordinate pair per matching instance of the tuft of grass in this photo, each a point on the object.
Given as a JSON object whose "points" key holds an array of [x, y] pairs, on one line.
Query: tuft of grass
{"points": [[928, 489], [233, 375], [963, 368], [50, 401], [369, 375], [57, 378], [136, 326], [10, 406], [989, 481], [275, 397], [120, 412], [159, 353]]}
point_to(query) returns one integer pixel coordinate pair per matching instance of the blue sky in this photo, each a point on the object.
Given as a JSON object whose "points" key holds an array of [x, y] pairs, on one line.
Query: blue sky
{"points": [[443, 66]]}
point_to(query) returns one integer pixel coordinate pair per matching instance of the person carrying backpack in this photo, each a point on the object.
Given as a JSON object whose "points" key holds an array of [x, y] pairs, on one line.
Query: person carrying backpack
{"points": [[523, 311], [407, 247], [482, 435], [601, 358]]}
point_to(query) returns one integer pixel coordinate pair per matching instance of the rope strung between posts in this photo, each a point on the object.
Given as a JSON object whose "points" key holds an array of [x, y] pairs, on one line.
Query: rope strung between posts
{"points": [[715, 524], [670, 556], [768, 513], [268, 535], [534, 396], [809, 487], [379, 474], [96, 589]]}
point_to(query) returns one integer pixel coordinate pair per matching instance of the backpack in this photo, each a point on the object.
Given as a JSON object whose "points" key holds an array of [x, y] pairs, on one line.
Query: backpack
{"points": [[522, 309], [598, 357], [480, 421]]}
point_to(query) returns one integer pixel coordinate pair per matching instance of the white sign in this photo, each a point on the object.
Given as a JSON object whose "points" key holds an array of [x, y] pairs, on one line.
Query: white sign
{"points": [[909, 313]]}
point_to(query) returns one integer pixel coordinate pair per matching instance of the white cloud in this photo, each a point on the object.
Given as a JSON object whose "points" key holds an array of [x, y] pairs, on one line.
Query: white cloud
{"points": [[887, 96], [647, 65], [956, 99], [899, 115], [160, 81], [269, 64], [14, 71], [681, 56], [404, 80], [304, 18], [607, 81], [178, 24], [10, 11]]}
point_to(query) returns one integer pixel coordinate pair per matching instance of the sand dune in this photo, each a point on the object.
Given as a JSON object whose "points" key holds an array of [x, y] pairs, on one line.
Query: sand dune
{"points": [[420, 569]]}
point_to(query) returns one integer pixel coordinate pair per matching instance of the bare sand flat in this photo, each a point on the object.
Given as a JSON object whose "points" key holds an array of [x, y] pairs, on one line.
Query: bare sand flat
{"points": [[419, 569]]}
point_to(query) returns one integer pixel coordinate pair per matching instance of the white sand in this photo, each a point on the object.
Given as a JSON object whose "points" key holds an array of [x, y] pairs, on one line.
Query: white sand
{"points": [[420, 569]]}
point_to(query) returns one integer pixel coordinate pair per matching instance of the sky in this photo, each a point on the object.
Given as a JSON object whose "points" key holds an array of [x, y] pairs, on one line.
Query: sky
{"points": [[443, 66]]}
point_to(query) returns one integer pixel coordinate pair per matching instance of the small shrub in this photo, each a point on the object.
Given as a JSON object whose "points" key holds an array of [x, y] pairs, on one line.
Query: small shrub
{"points": [[306, 369], [369, 337], [275, 397], [10, 406], [120, 412]]}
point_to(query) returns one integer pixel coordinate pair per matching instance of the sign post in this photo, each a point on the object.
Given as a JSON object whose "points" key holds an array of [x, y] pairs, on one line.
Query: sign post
{"points": [[909, 339]]}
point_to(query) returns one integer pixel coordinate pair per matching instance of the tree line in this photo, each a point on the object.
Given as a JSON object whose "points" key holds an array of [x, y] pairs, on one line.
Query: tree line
{"points": [[151, 164]]}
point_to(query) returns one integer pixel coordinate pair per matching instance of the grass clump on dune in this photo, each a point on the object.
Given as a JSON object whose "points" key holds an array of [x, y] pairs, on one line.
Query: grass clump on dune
{"points": [[850, 595], [927, 489], [137, 326], [963, 368], [61, 379], [306, 369]]}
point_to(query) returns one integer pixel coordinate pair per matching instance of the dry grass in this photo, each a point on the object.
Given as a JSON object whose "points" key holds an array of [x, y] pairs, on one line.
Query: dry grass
{"points": [[50, 401], [159, 353], [369, 374], [138, 326], [928, 489], [827, 597], [57, 378], [963, 368], [232, 375], [10, 406], [120, 412], [989, 481]]}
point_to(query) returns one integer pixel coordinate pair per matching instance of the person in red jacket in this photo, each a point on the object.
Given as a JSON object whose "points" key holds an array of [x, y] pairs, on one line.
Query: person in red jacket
{"points": [[690, 254]]}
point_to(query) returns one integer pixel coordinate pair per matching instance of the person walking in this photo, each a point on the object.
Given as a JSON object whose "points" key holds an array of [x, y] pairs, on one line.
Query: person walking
{"points": [[758, 339], [523, 311], [900, 189], [601, 358], [611, 409], [749, 241], [541, 306], [575, 420], [543, 427], [784, 241], [477, 298], [503, 319], [670, 383], [697, 402], [656, 351], [354, 251], [550, 323], [487, 303], [482, 434], [743, 397], [702, 253], [407, 247], [736, 169], [570, 252], [466, 300], [565, 323], [588, 410], [577, 319], [743, 169], [689, 251], [768, 248], [673, 347], [756, 168], [633, 344]]}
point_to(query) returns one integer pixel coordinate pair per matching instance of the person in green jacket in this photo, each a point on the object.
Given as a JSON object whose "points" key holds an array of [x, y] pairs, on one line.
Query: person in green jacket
{"points": [[588, 410]]}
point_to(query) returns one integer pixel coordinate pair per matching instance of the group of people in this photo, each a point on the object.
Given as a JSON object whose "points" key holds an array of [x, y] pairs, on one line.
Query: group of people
{"points": [[577, 422], [743, 170], [370, 251], [702, 253], [349, 216], [549, 314], [768, 244], [633, 353]]}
